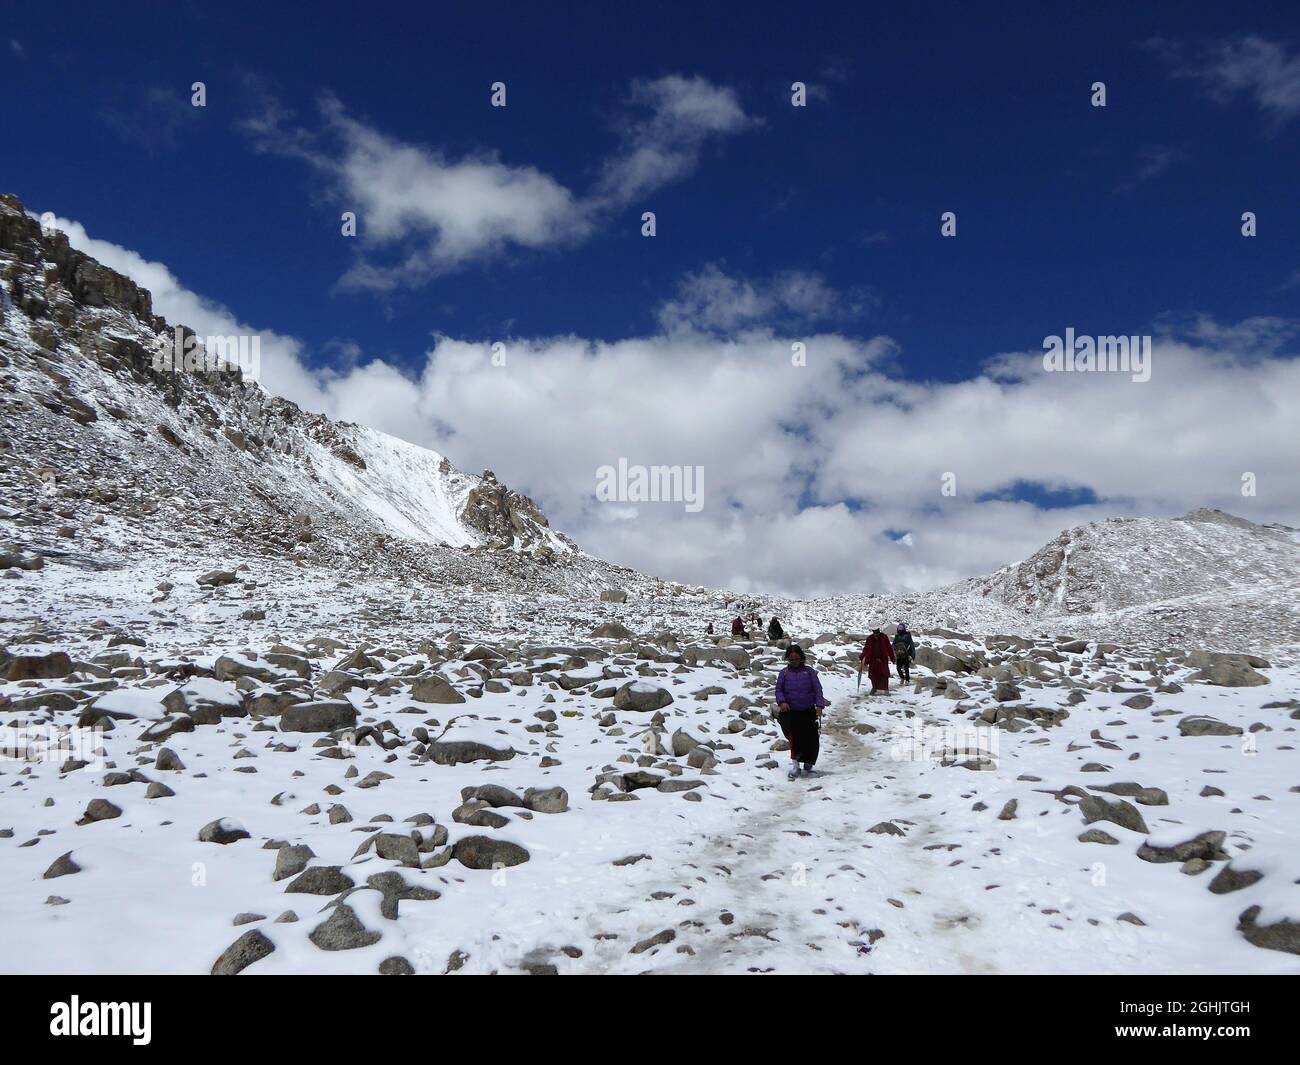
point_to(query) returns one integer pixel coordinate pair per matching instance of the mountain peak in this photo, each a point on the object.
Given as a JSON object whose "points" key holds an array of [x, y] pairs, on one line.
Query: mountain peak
{"points": [[123, 449]]}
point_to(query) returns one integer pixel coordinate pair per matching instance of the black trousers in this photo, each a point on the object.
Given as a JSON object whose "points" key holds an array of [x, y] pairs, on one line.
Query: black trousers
{"points": [[904, 669], [800, 728]]}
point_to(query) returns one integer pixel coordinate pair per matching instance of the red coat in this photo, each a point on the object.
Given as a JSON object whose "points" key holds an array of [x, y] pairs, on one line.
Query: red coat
{"points": [[877, 653]]}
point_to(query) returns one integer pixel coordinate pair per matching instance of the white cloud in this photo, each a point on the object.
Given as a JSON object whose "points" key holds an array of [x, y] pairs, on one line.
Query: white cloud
{"points": [[674, 117], [808, 468], [422, 213]]}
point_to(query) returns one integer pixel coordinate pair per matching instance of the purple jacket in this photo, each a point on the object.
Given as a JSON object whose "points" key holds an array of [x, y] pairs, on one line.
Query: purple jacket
{"points": [[800, 687]]}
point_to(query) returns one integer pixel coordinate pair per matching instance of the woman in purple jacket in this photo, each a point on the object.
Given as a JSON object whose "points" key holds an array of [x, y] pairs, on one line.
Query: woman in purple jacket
{"points": [[799, 703]]}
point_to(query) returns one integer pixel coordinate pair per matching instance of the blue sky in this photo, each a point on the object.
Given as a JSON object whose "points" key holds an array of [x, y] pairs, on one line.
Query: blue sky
{"points": [[819, 219]]}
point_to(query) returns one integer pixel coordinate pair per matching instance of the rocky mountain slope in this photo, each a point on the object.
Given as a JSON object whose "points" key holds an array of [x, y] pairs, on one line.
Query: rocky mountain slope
{"points": [[1205, 579], [111, 453]]}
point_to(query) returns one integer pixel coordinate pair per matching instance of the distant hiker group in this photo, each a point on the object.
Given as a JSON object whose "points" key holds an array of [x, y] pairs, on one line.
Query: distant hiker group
{"points": [[739, 630], [878, 652]]}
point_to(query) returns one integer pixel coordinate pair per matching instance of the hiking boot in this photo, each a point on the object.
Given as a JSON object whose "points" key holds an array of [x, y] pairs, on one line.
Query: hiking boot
{"points": [[794, 772], [808, 770]]}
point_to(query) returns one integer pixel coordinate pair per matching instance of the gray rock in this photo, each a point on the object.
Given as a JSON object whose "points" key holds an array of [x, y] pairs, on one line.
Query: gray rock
{"points": [[484, 852], [223, 831], [638, 696], [1116, 811], [325, 716], [343, 930], [216, 578], [494, 795], [251, 947], [63, 865], [320, 880], [1230, 879], [456, 752], [1097, 835], [99, 810], [1227, 670], [435, 689], [1207, 846], [546, 800], [1282, 935], [1199, 725], [290, 861], [656, 940]]}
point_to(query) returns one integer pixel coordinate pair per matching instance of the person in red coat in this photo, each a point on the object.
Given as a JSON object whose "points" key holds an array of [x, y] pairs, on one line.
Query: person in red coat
{"points": [[877, 654]]}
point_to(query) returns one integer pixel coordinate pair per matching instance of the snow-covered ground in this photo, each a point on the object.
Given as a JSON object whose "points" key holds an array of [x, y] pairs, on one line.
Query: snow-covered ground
{"points": [[890, 860]]}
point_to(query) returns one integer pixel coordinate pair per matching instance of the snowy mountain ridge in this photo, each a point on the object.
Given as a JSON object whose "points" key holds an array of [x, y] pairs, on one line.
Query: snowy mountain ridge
{"points": [[122, 451], [1206, 578]]}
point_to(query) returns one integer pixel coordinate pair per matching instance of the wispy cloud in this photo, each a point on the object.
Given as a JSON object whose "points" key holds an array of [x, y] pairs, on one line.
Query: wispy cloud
{"points": [[1152, 162], [1267, 71], [423, 213]]}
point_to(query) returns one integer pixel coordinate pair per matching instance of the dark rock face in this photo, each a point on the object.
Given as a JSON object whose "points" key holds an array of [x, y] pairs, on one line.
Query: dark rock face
{"points": [[505, 519]]}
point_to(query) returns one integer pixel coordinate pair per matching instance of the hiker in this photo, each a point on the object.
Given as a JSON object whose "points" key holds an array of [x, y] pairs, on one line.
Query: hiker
{"points": [[904, 652], [876, 655], [799, 704], [709, 630], [774, 630], [738, 627]]}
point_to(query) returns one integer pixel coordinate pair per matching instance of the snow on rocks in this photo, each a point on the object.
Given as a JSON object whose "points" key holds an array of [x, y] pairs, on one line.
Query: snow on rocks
{"points": [[405, 817]]}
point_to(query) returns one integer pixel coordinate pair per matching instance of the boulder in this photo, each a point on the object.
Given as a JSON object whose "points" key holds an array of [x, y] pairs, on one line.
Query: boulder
{"points": [[435, 689], [1116, 811], [343, 930], [251, 947], [223, 830], [1200, 725], [323, 716], [39, 667], [456, 752], [1207, 847], [1282, 935], [641, 696], [484, 852]]}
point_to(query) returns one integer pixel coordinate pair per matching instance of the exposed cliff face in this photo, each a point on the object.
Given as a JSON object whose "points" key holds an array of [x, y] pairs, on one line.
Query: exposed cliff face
{"points": [[111, 447], [506, 519]]}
